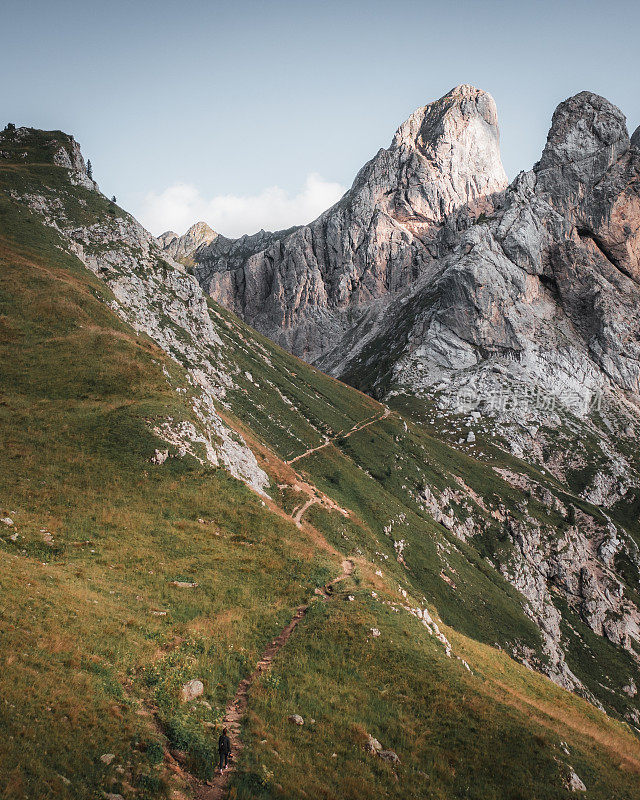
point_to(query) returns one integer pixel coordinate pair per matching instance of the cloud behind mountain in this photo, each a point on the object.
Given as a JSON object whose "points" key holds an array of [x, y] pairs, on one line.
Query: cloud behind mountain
{"points": [[272, 208]]}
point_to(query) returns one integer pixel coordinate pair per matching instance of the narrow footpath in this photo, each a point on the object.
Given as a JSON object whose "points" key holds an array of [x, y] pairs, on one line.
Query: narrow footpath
{"points": [[216, 789], [357, 427]]}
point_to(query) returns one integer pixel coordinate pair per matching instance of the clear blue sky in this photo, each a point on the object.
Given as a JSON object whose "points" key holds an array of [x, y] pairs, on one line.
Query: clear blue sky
{"points": [[232, 98]]}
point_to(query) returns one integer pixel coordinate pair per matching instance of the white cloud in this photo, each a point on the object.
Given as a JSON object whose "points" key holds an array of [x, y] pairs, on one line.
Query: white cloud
{"points": [[179, 206]]}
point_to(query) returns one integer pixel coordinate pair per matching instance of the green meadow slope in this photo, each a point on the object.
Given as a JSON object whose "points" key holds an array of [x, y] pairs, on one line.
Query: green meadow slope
{"points": [[124, 575]]}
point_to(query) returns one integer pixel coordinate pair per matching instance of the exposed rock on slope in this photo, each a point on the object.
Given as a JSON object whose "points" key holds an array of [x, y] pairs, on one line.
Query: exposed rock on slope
{"points": [[155, 296], [319, 285]]}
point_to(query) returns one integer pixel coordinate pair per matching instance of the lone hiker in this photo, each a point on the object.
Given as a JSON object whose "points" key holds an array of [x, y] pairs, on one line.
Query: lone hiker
{"points": [[224, 748]]}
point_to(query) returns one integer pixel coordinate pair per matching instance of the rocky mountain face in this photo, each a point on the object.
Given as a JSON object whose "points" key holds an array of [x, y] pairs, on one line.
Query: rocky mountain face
{"points": [[318, 287], [551, 279], [545, 273], [181, 247], [533, 313], [512, 310]]}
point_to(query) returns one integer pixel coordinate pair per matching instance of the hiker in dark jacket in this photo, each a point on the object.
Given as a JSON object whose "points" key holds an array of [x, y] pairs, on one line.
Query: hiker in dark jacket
{"points": [[224, 749]]}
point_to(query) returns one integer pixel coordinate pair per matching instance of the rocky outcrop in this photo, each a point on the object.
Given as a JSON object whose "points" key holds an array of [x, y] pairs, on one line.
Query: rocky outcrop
{"points": [[156, 296], [54, 147], [548, 287], [320, 285], [568, 562], [191, 690], [183, 247]]}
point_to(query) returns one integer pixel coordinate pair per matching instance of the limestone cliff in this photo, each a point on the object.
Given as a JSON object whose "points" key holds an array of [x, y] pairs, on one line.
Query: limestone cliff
{"points": [[316, 287]]}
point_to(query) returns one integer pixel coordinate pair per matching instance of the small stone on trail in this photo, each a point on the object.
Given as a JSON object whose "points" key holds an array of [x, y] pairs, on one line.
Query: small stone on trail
{"points": [[6, 521], [191, 690], [389, 755], [107, 758], [351, 598], [184, 584], [375, 632], [296, 719]]}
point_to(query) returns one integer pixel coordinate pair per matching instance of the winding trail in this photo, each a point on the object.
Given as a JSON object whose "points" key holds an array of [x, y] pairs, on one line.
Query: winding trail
{"points": [[216, 789], [297, 516], [357, 427]]}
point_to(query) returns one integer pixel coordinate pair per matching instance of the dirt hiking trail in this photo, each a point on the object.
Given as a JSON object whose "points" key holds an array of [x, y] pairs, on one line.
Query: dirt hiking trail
{"points": [[216, 789], [357, 427]]}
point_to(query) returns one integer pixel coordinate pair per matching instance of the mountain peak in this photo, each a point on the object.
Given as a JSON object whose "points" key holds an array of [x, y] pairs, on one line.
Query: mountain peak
{"points": [[449, 117], [455, 144], [201, 229], [181, 247], [587, 134]]}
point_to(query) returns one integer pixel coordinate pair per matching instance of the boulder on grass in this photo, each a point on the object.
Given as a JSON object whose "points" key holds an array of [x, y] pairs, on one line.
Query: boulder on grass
{"points": [[389, 755], [191, 690], [373, 745]]}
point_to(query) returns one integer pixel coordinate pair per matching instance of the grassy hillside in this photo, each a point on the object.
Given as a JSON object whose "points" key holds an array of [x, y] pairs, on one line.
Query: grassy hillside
{"points": [[121, 579]]}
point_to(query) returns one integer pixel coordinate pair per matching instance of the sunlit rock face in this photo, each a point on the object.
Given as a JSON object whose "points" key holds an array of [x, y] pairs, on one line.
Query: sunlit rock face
{"points": [[431, 269], [316, 288], [548, 286]]}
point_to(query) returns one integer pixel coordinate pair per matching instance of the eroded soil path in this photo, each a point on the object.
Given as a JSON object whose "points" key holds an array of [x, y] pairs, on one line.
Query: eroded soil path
{"points": [[216, 789], [357, 427]]}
